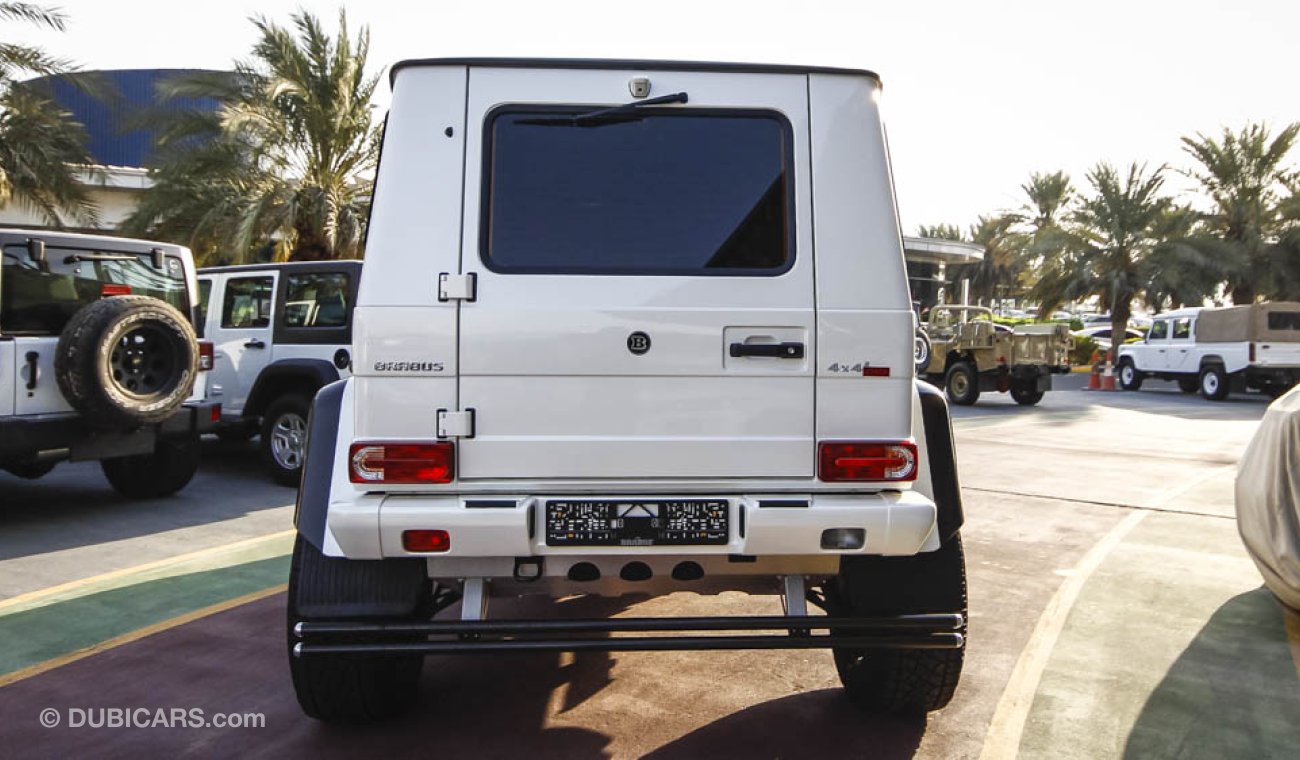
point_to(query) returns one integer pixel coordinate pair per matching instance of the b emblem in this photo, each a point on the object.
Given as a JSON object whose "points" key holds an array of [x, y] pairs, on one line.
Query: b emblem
{"points": [[638, 343]]}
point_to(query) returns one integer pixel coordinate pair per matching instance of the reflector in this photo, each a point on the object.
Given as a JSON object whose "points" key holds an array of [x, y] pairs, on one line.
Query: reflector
{"points": [[426, 540]]}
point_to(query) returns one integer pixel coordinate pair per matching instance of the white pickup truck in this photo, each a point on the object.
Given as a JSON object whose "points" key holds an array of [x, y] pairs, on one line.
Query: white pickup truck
{"points": [[1217, 350]]}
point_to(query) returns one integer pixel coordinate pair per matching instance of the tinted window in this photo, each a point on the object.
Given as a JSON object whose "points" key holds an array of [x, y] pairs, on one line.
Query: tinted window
{"points": [[1159, 330], [40, 297], [657, 193], [247, 303], [1182, 329], [1284, 320], [316, 300]]}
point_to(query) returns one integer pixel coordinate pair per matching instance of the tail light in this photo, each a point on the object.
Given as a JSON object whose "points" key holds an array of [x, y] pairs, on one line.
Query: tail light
{"points": [[866, 460], [206, 354], [1252, 352], [398, 463]]}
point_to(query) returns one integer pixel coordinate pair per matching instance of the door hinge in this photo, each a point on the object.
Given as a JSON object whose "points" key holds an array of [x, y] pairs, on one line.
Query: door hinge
{"points": [[457, 287], [455, 424]]}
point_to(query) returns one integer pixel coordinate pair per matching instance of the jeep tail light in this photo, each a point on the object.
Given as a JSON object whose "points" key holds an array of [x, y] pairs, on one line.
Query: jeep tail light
{"points": [[206, 355], [114, 289], [397, 463], [1251, 358], [426, 540], [866, 460]]}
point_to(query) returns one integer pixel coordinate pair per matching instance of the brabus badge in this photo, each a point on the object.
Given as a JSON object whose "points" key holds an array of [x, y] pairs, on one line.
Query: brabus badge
{"points": [[638, 343]]}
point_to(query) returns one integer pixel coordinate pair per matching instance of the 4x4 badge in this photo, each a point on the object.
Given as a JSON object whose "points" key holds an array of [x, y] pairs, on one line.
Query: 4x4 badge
{"points": [[638, 343]]}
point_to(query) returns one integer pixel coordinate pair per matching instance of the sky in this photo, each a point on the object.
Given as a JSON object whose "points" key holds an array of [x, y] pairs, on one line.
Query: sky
{"points": [[977, 95]]}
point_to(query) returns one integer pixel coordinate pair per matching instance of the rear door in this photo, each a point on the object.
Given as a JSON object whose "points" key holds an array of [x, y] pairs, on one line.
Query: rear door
{"points": [[644, 280], [240, 314]]}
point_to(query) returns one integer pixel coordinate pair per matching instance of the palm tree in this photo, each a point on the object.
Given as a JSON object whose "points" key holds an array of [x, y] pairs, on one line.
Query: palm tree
{"points": [[41, 147], [941, 232], [999, 270], [1245, 176], [285, 161], [1114, 232]]}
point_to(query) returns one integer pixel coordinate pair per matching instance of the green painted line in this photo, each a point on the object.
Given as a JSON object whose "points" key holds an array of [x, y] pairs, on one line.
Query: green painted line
{"points": [[43, 633]]}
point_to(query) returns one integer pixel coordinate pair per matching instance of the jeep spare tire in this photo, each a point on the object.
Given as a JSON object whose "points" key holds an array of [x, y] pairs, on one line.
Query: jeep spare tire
{"points": [[126, 361]]}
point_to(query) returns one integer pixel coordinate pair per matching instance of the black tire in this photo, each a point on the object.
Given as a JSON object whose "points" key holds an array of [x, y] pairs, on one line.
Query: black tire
{"points": [[1026, 394], [167, 470], [906, 681], [126, 361], [962, 384], [921, 353], [1188, 384], [29, 470], [1214, 382], [343, 688], [1129, 377], [284, 437]]}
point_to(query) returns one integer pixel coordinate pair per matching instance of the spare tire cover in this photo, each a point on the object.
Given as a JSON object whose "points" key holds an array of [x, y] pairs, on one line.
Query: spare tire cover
{"points": [[126, 361], [1268, 498]]}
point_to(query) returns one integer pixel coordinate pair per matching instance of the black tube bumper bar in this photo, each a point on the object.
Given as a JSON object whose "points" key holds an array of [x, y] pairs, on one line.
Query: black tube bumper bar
{"points": [[931, 631]]}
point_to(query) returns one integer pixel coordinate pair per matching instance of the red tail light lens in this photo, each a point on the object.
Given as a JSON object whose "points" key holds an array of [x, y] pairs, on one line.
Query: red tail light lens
{"points": [[864, 460], [206, 354], [426, 541], [397, 463], [112, 289]]}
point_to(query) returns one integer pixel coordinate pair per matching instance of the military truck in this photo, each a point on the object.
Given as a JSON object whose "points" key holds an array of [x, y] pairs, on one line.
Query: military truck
{"points": [[970, 354]]}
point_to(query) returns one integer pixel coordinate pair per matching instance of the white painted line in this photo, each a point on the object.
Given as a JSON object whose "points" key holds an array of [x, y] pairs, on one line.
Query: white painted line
{"points": [[1003, 738]]}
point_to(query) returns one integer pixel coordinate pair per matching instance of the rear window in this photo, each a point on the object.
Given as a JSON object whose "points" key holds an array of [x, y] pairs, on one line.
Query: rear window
{"points": [[656, 192], [318, 299], [40, 297], [1284, 320]]}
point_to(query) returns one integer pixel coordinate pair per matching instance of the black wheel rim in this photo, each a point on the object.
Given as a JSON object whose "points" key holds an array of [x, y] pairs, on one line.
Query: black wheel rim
{"points": [[144, 362]]}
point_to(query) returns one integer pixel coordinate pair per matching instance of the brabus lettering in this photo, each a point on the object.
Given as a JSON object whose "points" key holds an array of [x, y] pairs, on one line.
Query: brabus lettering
{"points": [[409, 366]]}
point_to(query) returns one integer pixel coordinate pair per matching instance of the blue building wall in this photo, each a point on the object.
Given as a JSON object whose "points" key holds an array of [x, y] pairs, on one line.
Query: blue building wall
{"points": [[111, 112]]}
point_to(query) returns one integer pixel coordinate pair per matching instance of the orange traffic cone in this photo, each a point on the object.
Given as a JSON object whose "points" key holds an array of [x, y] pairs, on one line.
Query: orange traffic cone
{"points": [[1108, 376], [1094, 380]]}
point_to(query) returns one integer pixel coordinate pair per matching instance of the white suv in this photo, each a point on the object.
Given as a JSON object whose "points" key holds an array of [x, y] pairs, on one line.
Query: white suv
{"points": [[281, 332], [99, 361], [606, 343]]}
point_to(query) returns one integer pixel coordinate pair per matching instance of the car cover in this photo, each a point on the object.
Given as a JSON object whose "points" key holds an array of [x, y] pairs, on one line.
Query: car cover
{"points": [[1268, 498]]}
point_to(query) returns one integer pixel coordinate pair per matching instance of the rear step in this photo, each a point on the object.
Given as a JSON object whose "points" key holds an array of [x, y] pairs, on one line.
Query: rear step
{"points": [[930, 631]]}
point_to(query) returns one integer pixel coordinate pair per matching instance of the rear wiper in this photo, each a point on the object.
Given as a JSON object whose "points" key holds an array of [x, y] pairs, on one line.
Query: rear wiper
{"points": [[612, 115]]}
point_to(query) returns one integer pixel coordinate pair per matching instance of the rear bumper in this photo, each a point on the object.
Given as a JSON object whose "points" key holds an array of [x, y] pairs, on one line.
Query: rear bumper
{"points": [[1257, 376], [892, 523], [66, 436]]}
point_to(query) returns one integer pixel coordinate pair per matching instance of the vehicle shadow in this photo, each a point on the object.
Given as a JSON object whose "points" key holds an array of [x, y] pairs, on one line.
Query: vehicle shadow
{"points": [[74, 505], [813, 724], [1233, 692], [488, 706]]}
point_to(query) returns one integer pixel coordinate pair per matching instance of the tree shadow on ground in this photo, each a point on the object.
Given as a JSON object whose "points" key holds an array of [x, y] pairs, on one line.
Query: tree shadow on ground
{"points": [[1233, 693], [813, 724]]}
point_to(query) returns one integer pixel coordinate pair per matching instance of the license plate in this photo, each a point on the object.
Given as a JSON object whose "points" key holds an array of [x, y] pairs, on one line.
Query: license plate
{"points": [[691, 522]]}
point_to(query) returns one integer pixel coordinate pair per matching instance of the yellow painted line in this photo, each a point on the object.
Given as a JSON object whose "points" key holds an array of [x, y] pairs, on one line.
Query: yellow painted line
{"points": [[1291, 619], [209, 558], [127, 638], [1003, 738]]}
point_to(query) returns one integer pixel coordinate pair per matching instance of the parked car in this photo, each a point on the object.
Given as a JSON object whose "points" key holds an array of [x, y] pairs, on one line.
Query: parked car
{"points": [[1213, 350], [98, 359], [1102, 335], [610, 361], [281, 332], [970, 353]]}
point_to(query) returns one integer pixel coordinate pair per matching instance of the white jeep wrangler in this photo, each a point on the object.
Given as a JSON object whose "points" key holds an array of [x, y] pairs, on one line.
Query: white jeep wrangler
{"points": [[280, 333], [607, 343], [99, 361]]}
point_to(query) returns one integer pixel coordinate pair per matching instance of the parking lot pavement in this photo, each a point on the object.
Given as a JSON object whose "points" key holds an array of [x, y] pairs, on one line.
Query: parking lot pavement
{"points": [[1113, 614]]}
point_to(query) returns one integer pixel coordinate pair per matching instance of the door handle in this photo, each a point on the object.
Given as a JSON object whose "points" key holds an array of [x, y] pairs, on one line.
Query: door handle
{"points": [[773, 350], [254, 343], [32, 368]]}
